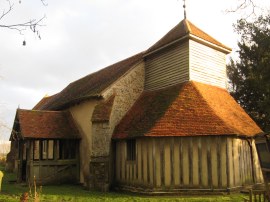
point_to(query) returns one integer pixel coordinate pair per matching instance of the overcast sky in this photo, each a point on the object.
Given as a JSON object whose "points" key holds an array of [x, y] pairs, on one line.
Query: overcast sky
{"points": [[83, 36]]}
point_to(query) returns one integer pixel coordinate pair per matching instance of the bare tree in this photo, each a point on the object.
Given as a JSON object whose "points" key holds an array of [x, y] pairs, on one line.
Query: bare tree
{"points": [[33, 24], [243, 4], [4, 147], [3, 127], [249, 7]]}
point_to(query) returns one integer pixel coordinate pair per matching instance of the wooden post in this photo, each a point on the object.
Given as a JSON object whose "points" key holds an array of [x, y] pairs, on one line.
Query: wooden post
{"points": [[266, 185], [154, 163], [210, 180], [1, 177], [250, 195]]}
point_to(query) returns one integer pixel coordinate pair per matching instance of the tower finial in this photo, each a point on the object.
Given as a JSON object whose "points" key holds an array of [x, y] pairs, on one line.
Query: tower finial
{"points": [[185, 13]]}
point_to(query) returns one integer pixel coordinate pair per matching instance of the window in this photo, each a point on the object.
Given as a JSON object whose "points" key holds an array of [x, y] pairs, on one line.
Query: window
{"points": [[24, 151], [36, 150], [67, 149], [50, 149], [64, 149], [47, 147], [131, 150], [264, 155], [44, 149]]}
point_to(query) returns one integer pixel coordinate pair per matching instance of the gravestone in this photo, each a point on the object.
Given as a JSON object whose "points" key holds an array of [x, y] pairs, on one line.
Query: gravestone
{"points": [[1, 177]]}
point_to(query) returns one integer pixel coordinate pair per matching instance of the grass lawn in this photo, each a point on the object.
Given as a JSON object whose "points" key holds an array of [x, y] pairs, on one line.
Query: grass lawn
{"points": [[75, 193]]}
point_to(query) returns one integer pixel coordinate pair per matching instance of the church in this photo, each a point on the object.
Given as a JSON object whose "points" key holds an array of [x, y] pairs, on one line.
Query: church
{"points": [[160, 121]]}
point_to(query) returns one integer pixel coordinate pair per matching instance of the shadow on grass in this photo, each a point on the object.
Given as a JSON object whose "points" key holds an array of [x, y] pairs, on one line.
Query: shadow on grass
{"points": [[12, 191]]}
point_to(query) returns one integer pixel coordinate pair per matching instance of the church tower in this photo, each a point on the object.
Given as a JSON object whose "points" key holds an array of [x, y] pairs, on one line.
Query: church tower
{"points": [[185, 53], [185, 132]]}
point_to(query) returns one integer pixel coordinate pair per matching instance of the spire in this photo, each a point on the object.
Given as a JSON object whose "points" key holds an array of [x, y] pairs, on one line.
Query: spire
{"points": [[185, 13]]}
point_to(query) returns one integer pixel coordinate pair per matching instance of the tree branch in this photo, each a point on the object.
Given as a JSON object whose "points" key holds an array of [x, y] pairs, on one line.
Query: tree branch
{"points": [[32, 24], [8, 11], [44, 2], [244, 4]]}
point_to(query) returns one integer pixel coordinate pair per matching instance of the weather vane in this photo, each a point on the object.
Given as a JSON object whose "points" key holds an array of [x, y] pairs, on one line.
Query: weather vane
{"points": [[185, 13]]}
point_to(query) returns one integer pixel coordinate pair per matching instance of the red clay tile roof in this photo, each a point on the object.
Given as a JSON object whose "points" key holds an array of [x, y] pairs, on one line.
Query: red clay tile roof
{"points": [[43, 102], [184, 28], [103, 110], [47, 124], [91, 85], [189, 109]]}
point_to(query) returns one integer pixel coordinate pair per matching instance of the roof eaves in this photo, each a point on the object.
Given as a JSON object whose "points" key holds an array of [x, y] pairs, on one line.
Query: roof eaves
{"points": [[125, 136], [166, 45], [261, 134], [77, 100], [51, 138], [223, 48], [15, 123]]}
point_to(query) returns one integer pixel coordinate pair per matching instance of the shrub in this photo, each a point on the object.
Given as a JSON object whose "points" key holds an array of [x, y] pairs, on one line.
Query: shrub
{"points": [[2, 160]]}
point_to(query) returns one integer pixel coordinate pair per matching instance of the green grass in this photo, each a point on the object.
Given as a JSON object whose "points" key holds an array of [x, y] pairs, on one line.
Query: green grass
{"points": [[75, 193]]}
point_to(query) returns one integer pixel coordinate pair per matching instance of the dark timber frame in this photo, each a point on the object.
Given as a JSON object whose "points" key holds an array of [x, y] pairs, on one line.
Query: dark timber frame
{"points": [[61, 166]]}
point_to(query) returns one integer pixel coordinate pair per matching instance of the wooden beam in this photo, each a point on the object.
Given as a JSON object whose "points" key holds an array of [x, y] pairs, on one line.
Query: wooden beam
{"points": [[181, 166], [219, 173], [210, 180], [190, 157], [154, 163], [162, 164], [200, 161]]}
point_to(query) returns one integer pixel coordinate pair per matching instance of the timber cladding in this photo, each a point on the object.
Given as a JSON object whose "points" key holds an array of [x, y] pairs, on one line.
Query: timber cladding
{"points": [[207, 65], [188, 61], [167, 67], [209, 163]]}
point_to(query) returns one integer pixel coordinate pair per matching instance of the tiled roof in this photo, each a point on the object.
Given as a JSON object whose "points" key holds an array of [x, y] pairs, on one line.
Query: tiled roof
{"points": [[184, 28], [103, 110], [47, 124], [43, 102], [91, 85], [189, 109]]}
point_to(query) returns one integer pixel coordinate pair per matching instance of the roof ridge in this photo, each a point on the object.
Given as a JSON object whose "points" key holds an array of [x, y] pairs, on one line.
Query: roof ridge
{"points": [[188, 26], [195, 84], [183, 29], [160, 43], [118, 62], [43, 111], [205, 36], [92, 84]]}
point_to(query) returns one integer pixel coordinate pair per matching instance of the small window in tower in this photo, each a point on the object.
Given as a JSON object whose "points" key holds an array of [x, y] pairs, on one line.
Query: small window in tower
{"points": [[131, 150]]}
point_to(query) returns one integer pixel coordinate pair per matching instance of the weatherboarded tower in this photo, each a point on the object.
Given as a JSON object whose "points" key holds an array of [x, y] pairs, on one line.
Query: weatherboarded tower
{"points": [[185, 132]]}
